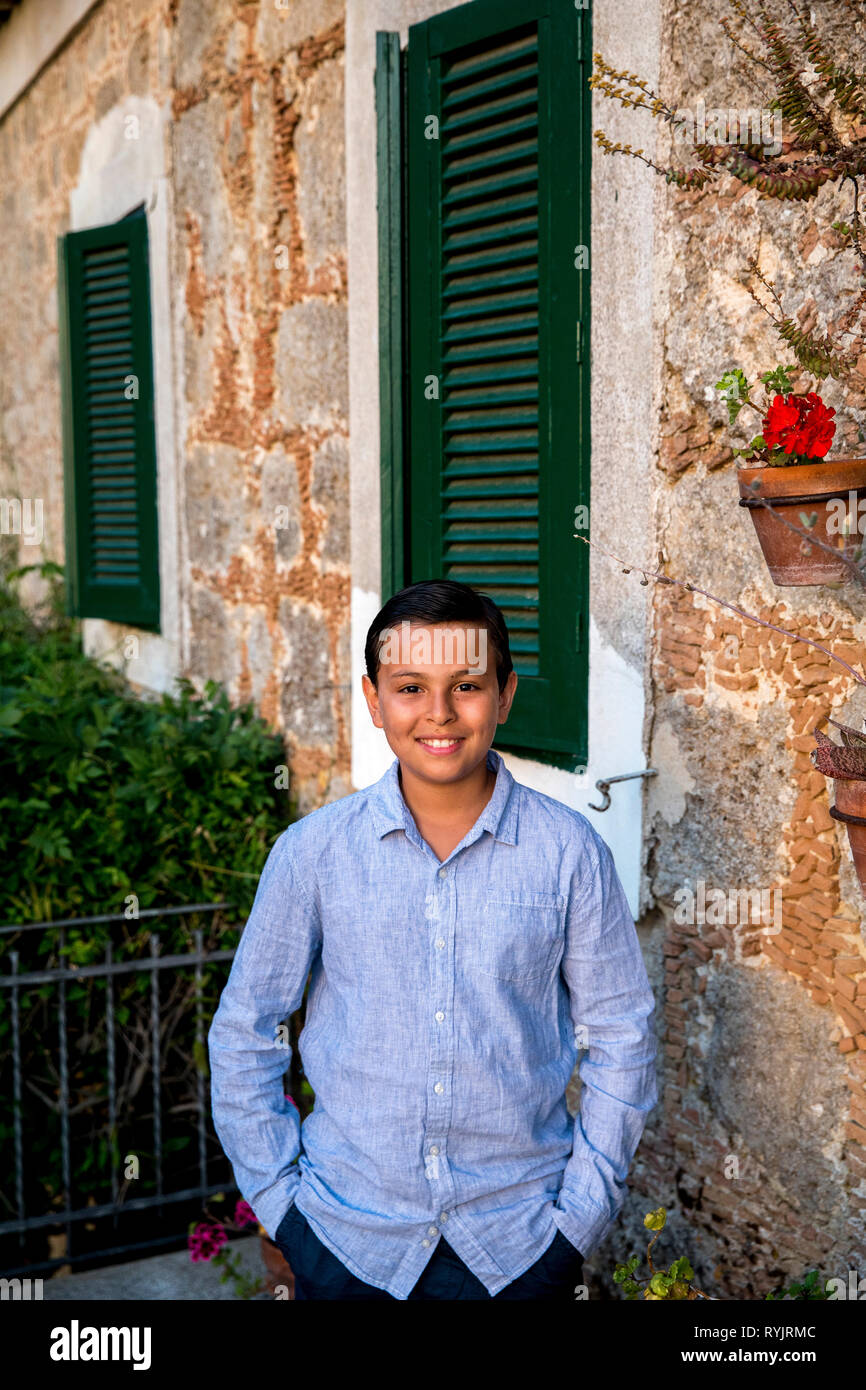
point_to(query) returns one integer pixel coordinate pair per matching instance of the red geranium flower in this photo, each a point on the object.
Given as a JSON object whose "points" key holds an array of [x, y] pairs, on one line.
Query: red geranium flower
{"points": [[799, 425], [817, 428], [780, 422]]}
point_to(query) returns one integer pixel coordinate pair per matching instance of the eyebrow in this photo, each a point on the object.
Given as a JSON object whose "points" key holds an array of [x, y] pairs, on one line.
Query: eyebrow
{"points": [[464, 671]]}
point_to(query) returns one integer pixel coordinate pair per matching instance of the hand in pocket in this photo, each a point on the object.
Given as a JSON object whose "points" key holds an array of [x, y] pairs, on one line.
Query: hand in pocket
{"points": [[277, 1254], [285, 1231]]}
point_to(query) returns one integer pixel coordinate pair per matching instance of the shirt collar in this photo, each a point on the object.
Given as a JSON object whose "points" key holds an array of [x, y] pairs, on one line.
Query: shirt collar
{"points": [[390, 812]]}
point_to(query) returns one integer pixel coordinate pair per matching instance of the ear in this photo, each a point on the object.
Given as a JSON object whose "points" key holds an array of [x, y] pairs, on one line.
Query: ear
{"points": [[506, 697], [371, 695]]}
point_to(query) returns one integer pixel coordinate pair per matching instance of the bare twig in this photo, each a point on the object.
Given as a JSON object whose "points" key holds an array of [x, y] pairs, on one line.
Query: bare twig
{"points": [[733, 607], [855, 226]]}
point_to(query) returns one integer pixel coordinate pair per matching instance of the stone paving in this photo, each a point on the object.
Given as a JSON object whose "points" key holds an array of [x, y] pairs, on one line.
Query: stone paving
{"points": [[163, 1277]]}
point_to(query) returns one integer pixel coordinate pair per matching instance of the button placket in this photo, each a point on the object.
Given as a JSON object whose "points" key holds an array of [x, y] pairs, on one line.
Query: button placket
{"points": [[436, 912]]}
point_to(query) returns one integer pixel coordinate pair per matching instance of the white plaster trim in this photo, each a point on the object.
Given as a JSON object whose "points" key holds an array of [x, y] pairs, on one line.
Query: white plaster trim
{"points": [[30, 37], [117, 174], [617, 687]]}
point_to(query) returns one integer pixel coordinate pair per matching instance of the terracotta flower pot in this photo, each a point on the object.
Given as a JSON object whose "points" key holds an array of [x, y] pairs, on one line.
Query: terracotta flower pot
{"points": [[850, 808], [807, 488]]}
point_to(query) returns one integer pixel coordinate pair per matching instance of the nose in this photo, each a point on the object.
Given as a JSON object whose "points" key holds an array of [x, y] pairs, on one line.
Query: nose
{"points": [[441, 711]]}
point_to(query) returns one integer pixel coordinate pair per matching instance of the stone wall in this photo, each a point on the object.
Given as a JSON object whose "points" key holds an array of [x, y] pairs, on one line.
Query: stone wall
{"points": [[121, 48], [758, 1147], [255, 152], [259, 187]]}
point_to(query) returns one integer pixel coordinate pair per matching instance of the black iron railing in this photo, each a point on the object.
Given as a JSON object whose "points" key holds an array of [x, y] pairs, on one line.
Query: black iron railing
{"points": [[12, 985]]}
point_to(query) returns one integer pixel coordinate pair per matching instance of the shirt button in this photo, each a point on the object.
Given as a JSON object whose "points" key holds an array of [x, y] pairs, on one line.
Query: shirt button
{"points": [[440, 944], [443, 1216], [439, 1016], [443, 873], [425, 1242], [438, 1088], [435, 1149], [433, 1231]]}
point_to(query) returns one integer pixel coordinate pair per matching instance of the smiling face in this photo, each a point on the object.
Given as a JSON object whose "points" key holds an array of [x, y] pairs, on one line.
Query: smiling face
{"points": [[438, 698]]}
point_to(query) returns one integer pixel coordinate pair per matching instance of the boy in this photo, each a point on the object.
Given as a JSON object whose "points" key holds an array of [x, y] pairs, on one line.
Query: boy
{"points": [[466, 934]]}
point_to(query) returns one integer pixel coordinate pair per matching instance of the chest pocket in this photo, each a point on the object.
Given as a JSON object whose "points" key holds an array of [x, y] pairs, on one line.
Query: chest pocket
{"points": [[516, 936]]}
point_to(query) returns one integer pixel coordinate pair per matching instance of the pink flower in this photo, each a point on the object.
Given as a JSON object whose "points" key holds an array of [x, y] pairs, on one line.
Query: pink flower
{"points": [[244, 1215], [206, 1240]]}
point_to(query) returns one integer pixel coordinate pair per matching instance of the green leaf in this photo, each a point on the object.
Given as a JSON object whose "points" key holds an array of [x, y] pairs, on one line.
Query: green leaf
{"points": [[778, 382], [200, 1057], [10, 714], [655, 1220], [733, 387], [753, 450]]}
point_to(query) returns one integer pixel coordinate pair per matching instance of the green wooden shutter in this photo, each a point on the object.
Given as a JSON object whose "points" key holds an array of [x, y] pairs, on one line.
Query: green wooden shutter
{"points": [[109, 441], [498, 323]]}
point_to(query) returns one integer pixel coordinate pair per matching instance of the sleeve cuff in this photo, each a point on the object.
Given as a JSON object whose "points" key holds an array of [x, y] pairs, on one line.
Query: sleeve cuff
{"points": [[585, 1226], [272, 1207]]}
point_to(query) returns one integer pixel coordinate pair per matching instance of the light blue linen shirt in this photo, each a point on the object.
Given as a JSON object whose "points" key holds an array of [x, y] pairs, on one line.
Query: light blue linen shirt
{"points": [[446, 1004]]}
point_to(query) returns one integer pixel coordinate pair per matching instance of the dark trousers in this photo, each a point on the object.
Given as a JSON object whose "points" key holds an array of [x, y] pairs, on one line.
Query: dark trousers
{"points": [[319, 1274]]}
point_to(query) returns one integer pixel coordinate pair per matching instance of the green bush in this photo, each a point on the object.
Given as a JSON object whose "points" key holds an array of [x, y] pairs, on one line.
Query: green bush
{"points": [[104, 793]]}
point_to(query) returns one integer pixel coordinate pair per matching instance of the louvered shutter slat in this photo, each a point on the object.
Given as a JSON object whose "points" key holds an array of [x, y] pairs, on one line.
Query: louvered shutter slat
{"points": [[494, 553], [483, 546]]}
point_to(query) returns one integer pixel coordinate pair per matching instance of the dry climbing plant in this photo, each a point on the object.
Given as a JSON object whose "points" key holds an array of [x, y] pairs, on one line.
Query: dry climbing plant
{"points": [[822, 104]]}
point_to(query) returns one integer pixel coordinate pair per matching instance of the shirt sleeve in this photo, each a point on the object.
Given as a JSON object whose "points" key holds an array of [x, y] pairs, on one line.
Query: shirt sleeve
{"points": [[258, 1128], [611, 1008]]}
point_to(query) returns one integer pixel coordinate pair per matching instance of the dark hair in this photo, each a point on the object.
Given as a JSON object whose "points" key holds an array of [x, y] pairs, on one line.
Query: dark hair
{"points": [[441, 601]]}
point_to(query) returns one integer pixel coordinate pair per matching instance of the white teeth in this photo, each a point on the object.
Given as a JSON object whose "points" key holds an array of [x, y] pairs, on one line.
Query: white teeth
{"points": [[439, 742]]}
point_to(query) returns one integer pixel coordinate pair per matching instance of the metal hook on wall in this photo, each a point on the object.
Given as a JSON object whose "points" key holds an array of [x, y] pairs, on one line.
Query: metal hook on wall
{"points": [[605, 783]]}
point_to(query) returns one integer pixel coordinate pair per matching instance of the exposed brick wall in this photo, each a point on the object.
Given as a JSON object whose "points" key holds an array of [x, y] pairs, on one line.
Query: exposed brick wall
{"points": [[699, 648]]}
